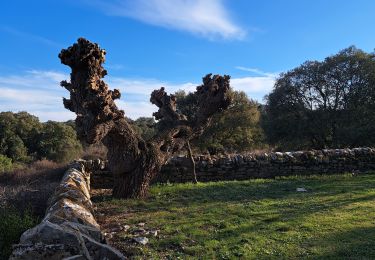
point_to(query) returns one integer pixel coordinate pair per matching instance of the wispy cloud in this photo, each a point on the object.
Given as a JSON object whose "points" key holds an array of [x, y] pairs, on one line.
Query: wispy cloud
{"points": [[207, 18], [39, 93], [138, 109], [34, 79], [29, 36], [257, 71], [35, 91], [257, 85], [146, 86]]}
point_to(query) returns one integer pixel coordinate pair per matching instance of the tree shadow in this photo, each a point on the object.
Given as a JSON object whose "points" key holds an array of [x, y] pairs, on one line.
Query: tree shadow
{"points": [[323, 194], [357, 243], [273, 206]]}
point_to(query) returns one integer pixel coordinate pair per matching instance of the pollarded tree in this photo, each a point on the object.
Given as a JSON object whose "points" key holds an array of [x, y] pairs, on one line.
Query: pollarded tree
{"points": [[132, 160]]}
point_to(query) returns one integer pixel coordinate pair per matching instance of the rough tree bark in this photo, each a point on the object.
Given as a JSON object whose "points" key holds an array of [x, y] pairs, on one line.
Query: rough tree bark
{"points": [[133, 161]]}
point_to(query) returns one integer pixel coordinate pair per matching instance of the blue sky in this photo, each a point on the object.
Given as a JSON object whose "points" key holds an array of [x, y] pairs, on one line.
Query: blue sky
{"points": [[171, 43]]}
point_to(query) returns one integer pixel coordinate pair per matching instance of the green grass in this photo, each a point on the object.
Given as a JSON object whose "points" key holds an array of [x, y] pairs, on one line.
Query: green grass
{"points": [[12, 225], [256, 219]]}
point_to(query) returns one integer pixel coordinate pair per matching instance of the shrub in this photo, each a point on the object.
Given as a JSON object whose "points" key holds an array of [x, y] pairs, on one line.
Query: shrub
{"points": [[12, 225], [95, 151], [5, 163], [58, 142]]}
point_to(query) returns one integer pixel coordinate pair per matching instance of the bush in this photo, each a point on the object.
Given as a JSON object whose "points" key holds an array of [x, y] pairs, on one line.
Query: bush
{"points": [[24, 139], [58, 142], [5, 163], [12, 225], [95, 151]]}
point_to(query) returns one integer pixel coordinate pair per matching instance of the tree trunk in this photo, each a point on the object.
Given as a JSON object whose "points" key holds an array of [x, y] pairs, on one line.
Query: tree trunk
{"points": [[132, 184], [133, 161], [192, 162]]}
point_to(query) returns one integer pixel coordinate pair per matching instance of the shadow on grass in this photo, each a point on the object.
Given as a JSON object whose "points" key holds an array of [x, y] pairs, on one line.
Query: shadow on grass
{"points": [[358, 243], [240, 212], [187, 195]]}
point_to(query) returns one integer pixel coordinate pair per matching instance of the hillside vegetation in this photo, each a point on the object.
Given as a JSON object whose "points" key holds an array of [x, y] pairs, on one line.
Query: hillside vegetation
{"points": [[24, 139]]}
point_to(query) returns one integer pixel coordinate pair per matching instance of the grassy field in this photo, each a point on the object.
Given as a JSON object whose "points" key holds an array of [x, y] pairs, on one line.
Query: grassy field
{"points": [[256, 219]]}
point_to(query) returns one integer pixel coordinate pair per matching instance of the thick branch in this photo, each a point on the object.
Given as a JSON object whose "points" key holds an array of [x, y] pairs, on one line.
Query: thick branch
{"points": [[212, 97], [130, 158], [90, 97]]}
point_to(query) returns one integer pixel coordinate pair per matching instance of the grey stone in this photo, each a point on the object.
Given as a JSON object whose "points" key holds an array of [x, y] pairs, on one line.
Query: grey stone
{"points": [[141, 240], [69, 229]]}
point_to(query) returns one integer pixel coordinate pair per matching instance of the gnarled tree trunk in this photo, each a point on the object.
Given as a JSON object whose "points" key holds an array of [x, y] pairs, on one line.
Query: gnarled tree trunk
{"points": [[133, 161]]}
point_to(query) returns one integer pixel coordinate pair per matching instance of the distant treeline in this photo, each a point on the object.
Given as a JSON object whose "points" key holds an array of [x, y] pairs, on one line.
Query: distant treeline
{"points": [[328, 104], [23, 139]]}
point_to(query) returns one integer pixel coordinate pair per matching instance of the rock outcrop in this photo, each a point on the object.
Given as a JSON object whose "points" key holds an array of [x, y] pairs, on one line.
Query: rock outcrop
{"points": [[69, 229]]}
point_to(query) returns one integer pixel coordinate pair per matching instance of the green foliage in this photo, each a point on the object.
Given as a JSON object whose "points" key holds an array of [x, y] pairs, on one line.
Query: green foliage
{"points": [[12, 225], [58, 142], [16, 148], [24, 138], [187, 104], [254, 219], [5, 163], [144, 126], [17, 132], [233, 130], [324, 104]]}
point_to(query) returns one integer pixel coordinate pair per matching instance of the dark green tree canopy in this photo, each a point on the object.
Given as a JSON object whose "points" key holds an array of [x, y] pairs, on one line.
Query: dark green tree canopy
{"points": [[144, 126], [24, 138], [58, 142], [18, 132], [324, 104]]}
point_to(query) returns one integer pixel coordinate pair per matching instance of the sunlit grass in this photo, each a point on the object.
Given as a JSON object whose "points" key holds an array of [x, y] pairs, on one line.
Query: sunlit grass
{"points": [[254, 219]]}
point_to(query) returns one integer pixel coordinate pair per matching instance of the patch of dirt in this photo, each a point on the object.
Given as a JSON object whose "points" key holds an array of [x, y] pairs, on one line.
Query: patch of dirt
{"points": [[118, 234]]}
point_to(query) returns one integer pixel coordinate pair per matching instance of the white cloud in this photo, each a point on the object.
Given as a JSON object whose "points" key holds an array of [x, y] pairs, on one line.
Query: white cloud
{"points": [[136, 94], [39, 93], [135, 110], [146, 86], [253, 85], [27, 96], [60, 116], [207, 18], [257, 71], [35, 79]]}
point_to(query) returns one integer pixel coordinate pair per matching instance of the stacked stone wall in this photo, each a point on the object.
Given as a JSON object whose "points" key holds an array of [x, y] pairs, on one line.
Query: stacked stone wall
{"points": [[264, 165], [69, 229]]}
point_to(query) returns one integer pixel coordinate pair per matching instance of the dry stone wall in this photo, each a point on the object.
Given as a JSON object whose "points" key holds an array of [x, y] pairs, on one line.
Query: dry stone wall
{"points": [[265, 165], [270, 165], [69, 229]]}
